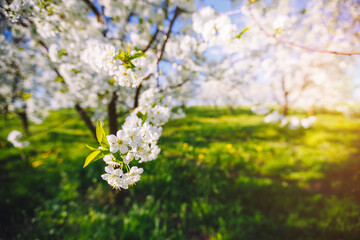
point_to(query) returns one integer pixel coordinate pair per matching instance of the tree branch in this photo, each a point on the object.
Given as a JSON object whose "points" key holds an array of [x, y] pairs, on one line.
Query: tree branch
{"points": [[177, 85], [100, 17], [279, 39], [151, 40], [78, 108], [167, 36], [159, 55]]}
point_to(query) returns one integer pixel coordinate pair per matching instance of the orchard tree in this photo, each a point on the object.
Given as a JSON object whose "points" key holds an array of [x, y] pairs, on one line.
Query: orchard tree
{"points": [[146, 58], [80, 39], [301, 55], [114, 54], [20, 71]]}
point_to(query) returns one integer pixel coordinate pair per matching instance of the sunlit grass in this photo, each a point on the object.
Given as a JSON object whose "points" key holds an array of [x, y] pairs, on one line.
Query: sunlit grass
{"points": [[219, 176]]}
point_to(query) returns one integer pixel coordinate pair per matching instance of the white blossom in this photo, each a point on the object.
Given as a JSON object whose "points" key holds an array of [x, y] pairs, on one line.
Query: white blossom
{"points": [[260, 110], [273, 117], [15, 138], [307, 122], [111, 160]]}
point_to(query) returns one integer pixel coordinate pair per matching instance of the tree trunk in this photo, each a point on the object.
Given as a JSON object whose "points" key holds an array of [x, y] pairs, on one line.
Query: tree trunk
{"points": [[137, 95], [113, 123], [311, 110], [231, 110], [6, 111], [86, 119], [24, 122], [285, 109]]}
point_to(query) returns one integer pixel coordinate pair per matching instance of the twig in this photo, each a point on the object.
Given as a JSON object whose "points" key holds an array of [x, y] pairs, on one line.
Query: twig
{"points": [[100, 17], [151, 40], [177, 85], [159, 55], [167, 36], [279, 39]]}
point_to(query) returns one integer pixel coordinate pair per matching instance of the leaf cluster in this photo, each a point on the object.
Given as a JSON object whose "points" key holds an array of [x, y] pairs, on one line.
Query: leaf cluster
{"points": [[126, 57], [101, 151]]}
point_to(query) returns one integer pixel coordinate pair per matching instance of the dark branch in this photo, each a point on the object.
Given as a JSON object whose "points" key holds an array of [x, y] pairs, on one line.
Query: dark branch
{"points": [[167, 36], [160, 54], [151, 40], [279, 39], [100, 17]]}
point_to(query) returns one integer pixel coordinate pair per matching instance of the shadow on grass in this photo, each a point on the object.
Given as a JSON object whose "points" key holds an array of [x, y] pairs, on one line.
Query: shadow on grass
{"points": [[224, 192], [342, 180], [205, 200]]}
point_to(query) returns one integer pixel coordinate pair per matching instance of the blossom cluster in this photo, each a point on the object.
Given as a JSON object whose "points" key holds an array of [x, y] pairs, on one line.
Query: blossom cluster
{"points": [[102, 57], [136, 141], [18, 8], [295, 123], [149, 104], [260, 110], [214, 28], [15, 138], [118, 179], [276, 117]]}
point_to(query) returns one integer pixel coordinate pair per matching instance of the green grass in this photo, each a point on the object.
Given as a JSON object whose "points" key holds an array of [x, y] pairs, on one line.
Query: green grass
{"points": [[219, 176]]}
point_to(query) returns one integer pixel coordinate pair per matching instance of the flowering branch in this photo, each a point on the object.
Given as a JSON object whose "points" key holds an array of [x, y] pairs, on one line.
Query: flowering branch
{"points": [[160, 54], [279, 39], [167, 36], [78, 108]]}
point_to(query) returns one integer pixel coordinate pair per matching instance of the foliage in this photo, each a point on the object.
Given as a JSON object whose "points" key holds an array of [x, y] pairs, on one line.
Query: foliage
{"points": [[98, 153]]}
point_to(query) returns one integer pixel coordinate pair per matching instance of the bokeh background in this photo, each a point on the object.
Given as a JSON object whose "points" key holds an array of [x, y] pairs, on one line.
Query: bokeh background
{"points": [[223, 172]]}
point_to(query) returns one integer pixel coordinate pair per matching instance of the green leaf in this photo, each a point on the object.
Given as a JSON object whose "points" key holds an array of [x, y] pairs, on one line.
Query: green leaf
{"points": [[95, 155], [117, 156], [59, 79], [143, 117], [99, 132], [137, 55], [26, 96], [120, 55], [242, 32], [50, 11], [61, 53], [129, 50], [91, 148], [139, 115], [65, 90], [76, 71], [101, 136]]}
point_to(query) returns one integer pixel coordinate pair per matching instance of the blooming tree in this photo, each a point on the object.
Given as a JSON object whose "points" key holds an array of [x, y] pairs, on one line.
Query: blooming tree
{"points": [[148, 56], [108, 56], [280, 47]]}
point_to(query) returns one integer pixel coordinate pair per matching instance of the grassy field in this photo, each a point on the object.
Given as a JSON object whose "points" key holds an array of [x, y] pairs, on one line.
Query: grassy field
{"points": [[219, 176]]}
